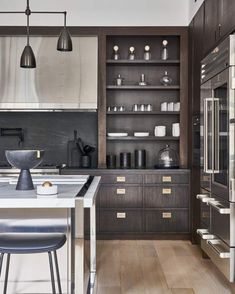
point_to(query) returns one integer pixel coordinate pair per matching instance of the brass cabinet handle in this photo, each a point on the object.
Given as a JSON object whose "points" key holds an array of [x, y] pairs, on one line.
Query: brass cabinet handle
{"points": [[205, 214], [166, 191], [166, 179], [166, 215], [121, 179], [121, 191], [121, 215]]}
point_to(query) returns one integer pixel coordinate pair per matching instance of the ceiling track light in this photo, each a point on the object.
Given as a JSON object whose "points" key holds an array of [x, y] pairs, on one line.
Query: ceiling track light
{"points": [[64, 43]]}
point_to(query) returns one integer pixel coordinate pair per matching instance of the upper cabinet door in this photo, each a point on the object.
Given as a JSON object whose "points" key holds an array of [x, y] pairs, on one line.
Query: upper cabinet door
{"points": [[211, 24], [198, 29], [226, 17]]}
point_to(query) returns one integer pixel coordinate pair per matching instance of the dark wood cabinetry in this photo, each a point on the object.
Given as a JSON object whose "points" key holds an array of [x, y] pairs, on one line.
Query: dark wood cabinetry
{"points": [[211, 24], [226, 12], [142, 203], [153, 93], [219, 21]]}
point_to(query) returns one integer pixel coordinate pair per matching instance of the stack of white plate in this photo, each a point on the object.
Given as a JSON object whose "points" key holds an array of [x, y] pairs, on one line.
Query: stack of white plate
{"points": [[117, 134]]}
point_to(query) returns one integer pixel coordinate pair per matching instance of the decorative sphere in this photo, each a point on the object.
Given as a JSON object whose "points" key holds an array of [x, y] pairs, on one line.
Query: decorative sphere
{"points": [[147, 48]]}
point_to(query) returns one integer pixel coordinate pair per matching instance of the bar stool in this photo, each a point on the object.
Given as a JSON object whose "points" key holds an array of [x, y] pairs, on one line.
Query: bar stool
{"points": [[29, 243]]}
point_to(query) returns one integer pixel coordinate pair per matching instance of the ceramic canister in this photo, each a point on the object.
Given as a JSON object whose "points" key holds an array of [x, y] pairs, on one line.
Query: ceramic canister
{"points": [[160, 131], [176, 130]]}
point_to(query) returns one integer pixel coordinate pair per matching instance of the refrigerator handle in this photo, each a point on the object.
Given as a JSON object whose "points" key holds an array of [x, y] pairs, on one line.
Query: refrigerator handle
{"points": [[206, 136], [216, 135]]}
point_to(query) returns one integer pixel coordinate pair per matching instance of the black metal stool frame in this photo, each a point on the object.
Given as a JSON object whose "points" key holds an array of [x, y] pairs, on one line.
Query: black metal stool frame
{"points": [[51, 271]]}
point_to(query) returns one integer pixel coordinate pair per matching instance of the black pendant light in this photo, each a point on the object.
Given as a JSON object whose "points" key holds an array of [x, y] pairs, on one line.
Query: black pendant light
{"points": [[65, 42], [27, 59]]}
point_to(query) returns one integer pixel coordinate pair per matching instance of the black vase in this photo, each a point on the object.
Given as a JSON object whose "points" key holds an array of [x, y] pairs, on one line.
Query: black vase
{"points": [[125, 160], [111, 161], [86, 161], [140, 159]]}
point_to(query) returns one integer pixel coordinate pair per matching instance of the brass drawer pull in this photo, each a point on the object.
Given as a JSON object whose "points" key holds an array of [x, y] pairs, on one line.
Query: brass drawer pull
{"points": [[166, 215], [121, 215], [166, 179], [121, 191], [166, 191], [205, 215], [121, 179]]}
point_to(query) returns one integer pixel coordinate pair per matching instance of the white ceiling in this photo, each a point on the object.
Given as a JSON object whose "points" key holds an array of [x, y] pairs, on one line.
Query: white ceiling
{"points": [[105, 12]]}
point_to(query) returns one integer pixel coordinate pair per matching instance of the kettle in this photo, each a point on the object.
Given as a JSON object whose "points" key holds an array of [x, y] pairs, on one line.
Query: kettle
{"points": [[167, 158]]}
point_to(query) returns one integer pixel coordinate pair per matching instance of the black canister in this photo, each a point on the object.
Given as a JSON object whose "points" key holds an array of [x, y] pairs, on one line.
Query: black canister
{"points": [[86, 161], [140, 158], [125, 160], [111, 161]]}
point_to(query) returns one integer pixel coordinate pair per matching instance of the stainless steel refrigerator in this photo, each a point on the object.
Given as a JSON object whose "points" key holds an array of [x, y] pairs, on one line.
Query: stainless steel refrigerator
{"points": [[217, 122]]}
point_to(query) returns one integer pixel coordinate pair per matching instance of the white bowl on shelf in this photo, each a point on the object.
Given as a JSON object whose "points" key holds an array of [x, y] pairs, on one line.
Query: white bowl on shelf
{"points": [[141, 134]]}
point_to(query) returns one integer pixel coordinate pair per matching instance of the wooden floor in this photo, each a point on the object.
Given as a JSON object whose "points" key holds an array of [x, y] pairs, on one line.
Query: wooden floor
{"points": [[152, 267]]}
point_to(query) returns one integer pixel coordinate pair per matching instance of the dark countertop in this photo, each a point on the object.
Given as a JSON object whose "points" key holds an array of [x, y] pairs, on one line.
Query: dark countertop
{"points": [[69, 170]]}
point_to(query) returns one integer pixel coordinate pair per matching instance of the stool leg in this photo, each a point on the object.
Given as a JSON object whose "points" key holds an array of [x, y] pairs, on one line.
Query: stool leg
{"points": [[6, 274], [1, 262], [57, 272], [52, 273]]}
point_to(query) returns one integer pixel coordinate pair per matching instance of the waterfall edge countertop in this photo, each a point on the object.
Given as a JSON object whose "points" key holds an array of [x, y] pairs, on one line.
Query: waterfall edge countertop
{"points": [[68, 188]]}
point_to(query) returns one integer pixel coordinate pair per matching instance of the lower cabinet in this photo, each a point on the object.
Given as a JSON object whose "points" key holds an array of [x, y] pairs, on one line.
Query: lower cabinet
{"points": [[164, 196], [139, 203], [121, 221], [167, 221]]}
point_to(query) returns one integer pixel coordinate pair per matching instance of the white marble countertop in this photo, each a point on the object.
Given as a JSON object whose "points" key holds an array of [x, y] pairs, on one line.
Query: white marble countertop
{"points": [[66, 197]]}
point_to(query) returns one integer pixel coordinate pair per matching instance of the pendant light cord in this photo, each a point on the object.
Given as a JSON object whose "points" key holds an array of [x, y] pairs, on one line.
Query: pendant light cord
{"points": [[27, 12], [65, 18]]}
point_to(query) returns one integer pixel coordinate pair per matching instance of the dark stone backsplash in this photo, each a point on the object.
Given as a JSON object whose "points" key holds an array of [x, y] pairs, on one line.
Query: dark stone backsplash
{"points": [[50, 132]]}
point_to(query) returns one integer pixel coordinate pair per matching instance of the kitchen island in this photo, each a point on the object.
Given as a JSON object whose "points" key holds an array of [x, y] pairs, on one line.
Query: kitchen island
{"points": [[24, 211]]}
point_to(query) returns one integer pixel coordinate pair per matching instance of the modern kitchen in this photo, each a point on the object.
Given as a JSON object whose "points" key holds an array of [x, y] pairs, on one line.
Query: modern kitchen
{"points": [[117, 147]]}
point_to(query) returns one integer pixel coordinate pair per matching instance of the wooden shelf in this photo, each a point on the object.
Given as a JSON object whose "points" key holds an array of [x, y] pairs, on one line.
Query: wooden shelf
{"points": [[149, 138], [143, 113], [143, 62], [136, 87]]}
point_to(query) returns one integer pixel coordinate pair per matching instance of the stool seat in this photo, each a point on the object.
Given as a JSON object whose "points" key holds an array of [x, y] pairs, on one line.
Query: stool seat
{"points": [[28, 243]]}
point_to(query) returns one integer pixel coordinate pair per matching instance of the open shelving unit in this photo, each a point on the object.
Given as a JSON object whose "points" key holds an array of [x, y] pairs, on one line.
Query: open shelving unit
{"points": [[153, 93]]}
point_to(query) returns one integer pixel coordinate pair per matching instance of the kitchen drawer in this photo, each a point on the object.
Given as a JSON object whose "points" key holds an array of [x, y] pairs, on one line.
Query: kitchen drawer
{"points": [[167, 178], [167, 221], [166, 196], [121, 179], [120, 221], [120, 196], [221, 226]]}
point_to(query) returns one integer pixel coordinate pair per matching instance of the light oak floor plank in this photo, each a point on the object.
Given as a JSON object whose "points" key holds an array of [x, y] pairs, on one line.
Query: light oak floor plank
{"points": [[156, 267]]}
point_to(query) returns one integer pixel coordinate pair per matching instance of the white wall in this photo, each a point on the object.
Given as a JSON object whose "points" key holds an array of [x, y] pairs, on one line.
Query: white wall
{"points": [[193, 8], [102, 12]]}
